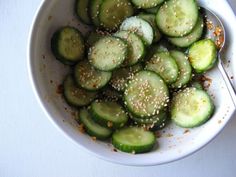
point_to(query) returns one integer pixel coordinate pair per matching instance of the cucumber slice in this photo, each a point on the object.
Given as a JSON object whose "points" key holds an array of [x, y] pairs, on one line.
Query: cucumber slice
{"points": [[135, 45], [89, 78], [108, 53], [92, 128], [133, 140], [93, 37], [146, 94], [113, 12], [145, 4], [189, 39], [153, 10], [120, 77], [165, 65], [76, 96], [139, 26], [67, 45], [191, 108], [156, 121], [185, 69], [109, 114], [177, 18], [94, 7], [150, 18], [110, 94], [81, 10], [203, 55]]}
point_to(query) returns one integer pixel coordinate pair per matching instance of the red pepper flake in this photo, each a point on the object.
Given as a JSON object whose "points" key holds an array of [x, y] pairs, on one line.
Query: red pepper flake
{"points": [[158, 134], [169, 135], [218, 31], [109, 124], [49, 17], [43, 56], [115, 150], [81, 128], [186, 131], [51, 81], [206, 81], [232, 77], [219, 42], [94, 138], [73, 114], [59, 89]]}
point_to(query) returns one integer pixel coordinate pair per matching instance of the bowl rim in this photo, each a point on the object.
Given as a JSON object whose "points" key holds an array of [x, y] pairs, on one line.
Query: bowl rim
{"points": [[40, 101]]}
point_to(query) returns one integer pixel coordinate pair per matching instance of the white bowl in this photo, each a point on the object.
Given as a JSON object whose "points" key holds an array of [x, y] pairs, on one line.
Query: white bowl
{"points": [[46, 74]]}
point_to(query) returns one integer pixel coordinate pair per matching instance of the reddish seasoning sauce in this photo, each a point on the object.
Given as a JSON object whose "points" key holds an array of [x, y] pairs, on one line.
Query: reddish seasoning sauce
{"points": [[59, 89]]}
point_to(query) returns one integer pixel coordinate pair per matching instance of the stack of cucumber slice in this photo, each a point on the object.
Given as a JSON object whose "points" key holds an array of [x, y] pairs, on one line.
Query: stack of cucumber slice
{"points": [[131, 83]]}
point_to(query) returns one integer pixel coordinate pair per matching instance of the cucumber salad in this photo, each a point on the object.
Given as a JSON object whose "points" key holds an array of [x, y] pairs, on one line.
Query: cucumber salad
{"points": [[137, 69]]}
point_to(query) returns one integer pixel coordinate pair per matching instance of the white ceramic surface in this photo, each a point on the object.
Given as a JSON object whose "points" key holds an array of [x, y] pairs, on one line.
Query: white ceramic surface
{"points": [[46, 74]]}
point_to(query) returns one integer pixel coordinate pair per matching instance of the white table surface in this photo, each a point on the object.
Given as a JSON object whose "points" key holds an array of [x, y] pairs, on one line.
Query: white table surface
{"points": [[30, 146]]}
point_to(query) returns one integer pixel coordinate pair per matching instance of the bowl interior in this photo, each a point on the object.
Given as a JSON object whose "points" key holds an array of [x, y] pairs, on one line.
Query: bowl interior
{"points": [[47, 74]]}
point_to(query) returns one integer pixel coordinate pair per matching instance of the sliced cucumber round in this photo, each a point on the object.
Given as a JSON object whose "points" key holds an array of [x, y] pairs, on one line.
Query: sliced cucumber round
{"points": [[109, 114], [81, 9], [185, 69], [89, 78], [177, 18], [67, 45], [108, 53], [189, 39], [91, 127], [152, 122], [113, 12], [136, 47], [94, 7], [77, 96], [146, 94], [121, 76], [203, 55], [165, 65], [133, 140], [145, 4], [139, 26], [150, 18], [191, 108], [110, 94]]}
